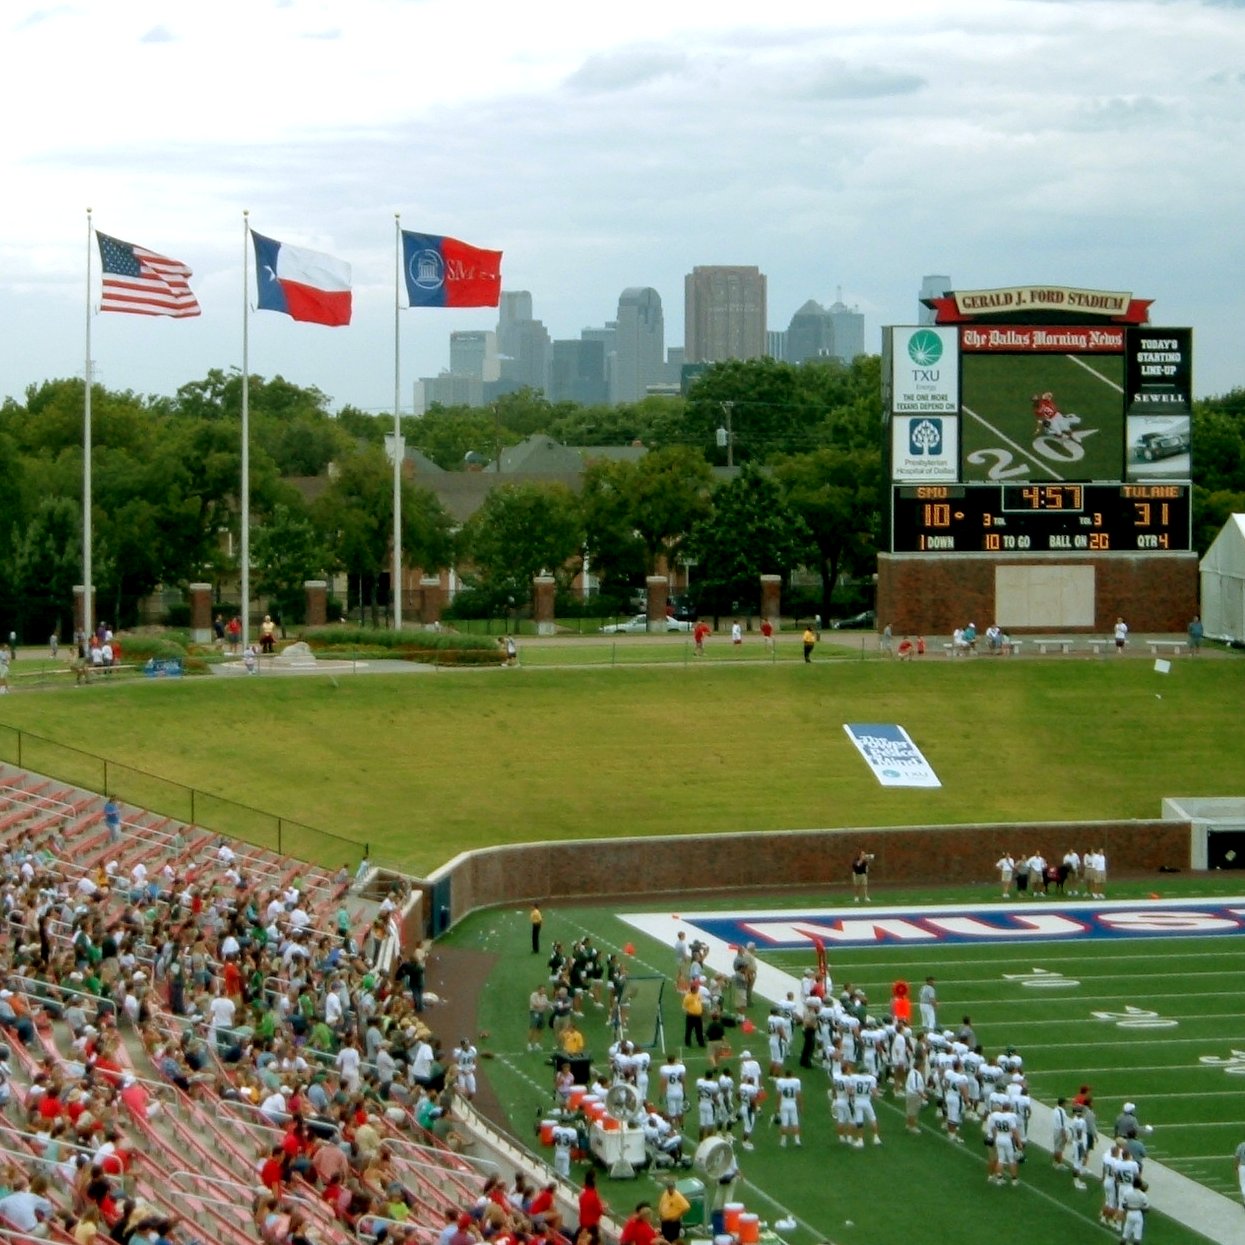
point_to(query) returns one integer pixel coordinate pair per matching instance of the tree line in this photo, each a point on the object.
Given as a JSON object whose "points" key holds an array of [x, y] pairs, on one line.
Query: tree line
{"points": [[166, 471]]}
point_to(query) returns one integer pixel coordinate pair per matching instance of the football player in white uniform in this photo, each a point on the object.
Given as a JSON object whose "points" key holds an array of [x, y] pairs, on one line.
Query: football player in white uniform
{"points": [[564, 1140], [673, 1075], [1133, 1205], [864, 1086], [1003, 1128], [915, 1095], [465, 1057], [1078, 1145], [955, 1099], [790, 1096], [841, 1100], [706, 1102], [779, 1041], [749, 1090]]}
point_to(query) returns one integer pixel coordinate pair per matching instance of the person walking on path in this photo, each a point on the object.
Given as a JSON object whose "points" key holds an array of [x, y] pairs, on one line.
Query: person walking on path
{"points": [[536, 917], [809, 640], [1121, 635]]}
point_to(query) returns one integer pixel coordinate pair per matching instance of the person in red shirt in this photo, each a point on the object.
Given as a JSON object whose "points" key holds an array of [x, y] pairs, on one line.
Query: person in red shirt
{"points": [[640, 1228], [272, 1170], [699, 634], [1044, 410], [591, 1207], [50, 1105], [767, 634]]}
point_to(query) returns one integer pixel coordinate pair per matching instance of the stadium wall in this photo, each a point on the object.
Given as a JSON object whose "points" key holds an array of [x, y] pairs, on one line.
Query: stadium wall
{"points": [[584, 870], [933, 593]]}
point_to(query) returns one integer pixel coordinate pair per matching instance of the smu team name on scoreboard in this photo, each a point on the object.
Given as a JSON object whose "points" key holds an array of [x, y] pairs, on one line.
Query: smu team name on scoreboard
{"points": [[992, 518]]}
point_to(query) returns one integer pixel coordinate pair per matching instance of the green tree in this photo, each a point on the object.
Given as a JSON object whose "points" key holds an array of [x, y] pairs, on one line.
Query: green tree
{"points": [[520, 531], [355, 519], [46, 565], [750, 532], [838, 495], [616, 552], [286, 551], [448, 434], [669, 495]]}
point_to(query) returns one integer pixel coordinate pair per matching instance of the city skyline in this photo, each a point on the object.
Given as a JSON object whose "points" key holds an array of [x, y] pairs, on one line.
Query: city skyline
{"points": [[624, 360], [1004, 141]]}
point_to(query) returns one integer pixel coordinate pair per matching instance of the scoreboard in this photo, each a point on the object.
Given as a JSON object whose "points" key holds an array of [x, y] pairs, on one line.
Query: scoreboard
{"points": [[1040, 518], [1019, 423]]}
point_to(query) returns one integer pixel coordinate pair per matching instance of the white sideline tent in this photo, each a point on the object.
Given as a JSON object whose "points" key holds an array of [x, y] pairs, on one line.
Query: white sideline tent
{"points": [[1223, 583]]}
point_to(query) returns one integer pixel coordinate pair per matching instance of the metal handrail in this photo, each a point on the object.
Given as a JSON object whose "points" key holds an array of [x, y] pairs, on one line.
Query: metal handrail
{"points": [[239, 1185]]}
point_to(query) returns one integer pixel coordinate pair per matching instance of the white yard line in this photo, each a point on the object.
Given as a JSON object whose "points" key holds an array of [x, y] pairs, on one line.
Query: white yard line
{"points": [[1106, 380]]}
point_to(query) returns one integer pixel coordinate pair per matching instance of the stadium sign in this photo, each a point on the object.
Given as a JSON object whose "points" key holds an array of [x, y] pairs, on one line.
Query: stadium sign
{"points": [[1020, 302], [1024, 338]]}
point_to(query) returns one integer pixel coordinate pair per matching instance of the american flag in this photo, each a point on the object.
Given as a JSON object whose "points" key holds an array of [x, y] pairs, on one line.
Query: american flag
{"points": [[143, 283]]}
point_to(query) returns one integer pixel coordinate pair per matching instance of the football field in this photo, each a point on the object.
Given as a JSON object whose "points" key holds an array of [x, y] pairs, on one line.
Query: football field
{"points": [[999, 441], [1136, 998]]}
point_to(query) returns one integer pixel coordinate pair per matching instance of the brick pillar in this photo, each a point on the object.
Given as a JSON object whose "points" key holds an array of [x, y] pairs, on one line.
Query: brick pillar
{"points": [[201, 613], [317, 591], [433, 600], [545, 590], [771, 598], [658, 588]]}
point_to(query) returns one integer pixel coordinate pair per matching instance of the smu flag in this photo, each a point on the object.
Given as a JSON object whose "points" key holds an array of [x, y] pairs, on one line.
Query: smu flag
{"points": [[304, 285], [141, 282], [443, 272]]}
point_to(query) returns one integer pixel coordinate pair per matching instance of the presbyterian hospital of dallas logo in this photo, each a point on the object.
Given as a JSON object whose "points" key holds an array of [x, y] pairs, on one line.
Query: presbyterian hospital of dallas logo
{"points": [[924, 348], [925, 436]]}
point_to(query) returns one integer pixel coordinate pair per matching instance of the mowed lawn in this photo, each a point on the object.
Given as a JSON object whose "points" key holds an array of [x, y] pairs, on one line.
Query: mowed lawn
{"points": [[425, 766], [922, 1187]]}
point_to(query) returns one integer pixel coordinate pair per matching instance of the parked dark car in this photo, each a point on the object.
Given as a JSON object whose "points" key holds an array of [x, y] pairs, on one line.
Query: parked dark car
{"points": [[857, 622]]}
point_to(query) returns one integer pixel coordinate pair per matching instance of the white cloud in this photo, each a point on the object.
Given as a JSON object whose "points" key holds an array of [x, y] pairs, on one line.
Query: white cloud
{"points": [[999, 141]]}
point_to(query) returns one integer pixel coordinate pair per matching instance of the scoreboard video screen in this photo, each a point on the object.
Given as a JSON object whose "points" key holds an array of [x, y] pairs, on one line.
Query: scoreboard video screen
{"points": [[1052, 435]]}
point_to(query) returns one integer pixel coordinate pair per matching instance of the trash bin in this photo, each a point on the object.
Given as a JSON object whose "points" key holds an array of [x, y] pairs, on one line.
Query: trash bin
{"points": [[694, 1191]]}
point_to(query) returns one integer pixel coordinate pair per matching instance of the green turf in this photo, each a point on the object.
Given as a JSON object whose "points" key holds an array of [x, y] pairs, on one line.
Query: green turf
{"points": [[425, 766], [923, 1185], [999, 443]]}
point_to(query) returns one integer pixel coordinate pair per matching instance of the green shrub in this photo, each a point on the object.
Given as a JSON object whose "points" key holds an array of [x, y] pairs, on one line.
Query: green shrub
{"points": [[439, 647]]}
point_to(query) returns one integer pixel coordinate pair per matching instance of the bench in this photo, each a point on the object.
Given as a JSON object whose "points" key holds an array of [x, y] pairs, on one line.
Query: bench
{"points": [[1099, 645], [1161, 646], [1063, 646]]}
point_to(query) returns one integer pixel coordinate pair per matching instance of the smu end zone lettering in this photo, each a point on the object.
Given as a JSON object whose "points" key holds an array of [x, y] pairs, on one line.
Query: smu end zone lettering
{"points": [[1161, 919]]}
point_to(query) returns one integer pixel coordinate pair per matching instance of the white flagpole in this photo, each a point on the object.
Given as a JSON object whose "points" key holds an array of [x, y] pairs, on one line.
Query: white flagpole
{"points": [[245, 534], [396, 587], [88, 612]]}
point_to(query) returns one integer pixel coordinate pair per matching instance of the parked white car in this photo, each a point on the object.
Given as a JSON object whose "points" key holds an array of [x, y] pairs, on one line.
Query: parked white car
{"points": [[639, 626]]}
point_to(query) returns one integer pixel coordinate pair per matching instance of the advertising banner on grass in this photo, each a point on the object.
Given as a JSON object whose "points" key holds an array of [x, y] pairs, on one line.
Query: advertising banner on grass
{"points": [[889, 752]]}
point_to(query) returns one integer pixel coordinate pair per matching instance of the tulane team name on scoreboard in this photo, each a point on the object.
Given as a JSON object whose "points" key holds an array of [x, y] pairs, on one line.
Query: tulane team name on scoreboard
{"points": [[1006, 518]]}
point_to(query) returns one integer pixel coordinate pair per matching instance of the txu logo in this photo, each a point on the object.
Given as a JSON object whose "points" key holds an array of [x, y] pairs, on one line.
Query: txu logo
{"points": [[925, 348]]}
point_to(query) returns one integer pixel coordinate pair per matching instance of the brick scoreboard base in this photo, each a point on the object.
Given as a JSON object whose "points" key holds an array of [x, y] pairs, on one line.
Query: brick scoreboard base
{"points": [[933, 593]]}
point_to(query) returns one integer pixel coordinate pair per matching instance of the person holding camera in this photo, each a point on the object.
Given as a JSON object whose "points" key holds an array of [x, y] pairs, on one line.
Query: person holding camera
{"points": [[860, 875]]}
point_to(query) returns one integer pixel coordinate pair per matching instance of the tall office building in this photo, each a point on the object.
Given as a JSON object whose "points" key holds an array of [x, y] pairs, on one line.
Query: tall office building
{"points": [[724, 314], [577, 372], [639, 344], [810, 335], [931, 287], [607, 337], [527, 363], [515, 308], [473, 352], [776, 344], [847, 331]]}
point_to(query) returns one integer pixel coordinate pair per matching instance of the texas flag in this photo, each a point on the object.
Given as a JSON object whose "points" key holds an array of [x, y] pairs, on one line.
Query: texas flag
{"points": [[304, 285], [444, 272]]}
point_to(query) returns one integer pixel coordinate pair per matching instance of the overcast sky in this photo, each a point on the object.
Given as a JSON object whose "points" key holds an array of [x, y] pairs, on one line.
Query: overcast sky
{"points": [[1095, 143]]}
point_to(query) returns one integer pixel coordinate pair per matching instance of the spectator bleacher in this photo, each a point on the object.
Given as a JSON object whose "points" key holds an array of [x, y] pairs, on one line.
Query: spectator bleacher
{"points": [[199, 1039]]}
